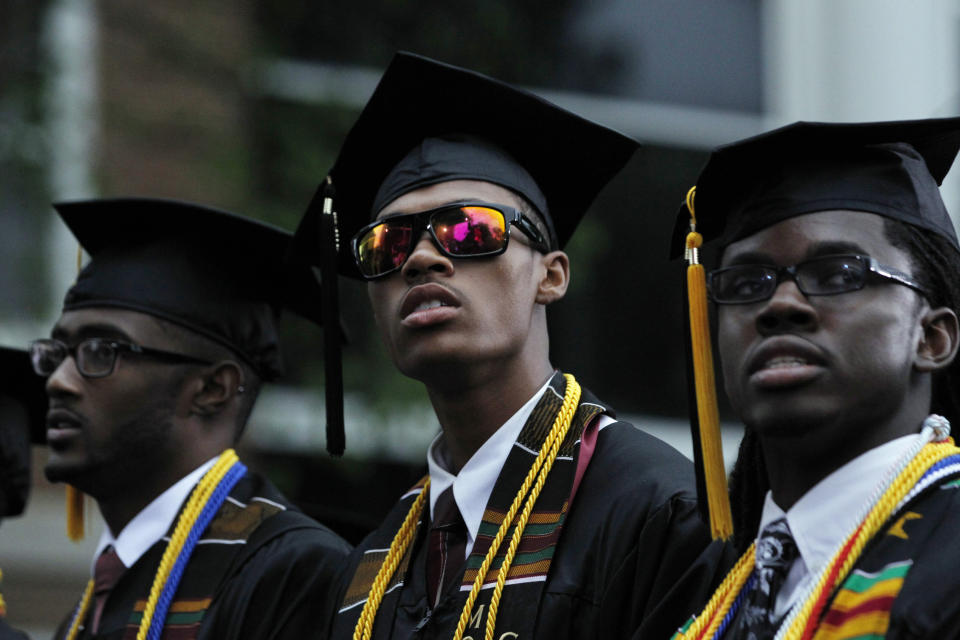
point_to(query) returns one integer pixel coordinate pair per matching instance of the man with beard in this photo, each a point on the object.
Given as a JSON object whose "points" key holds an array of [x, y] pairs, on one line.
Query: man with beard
{"points": [[837, 303], [542, 516], [23, 405], [153, 369]]}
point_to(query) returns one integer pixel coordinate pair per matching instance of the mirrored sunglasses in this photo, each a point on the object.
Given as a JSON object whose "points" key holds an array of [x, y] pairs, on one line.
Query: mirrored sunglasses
{"points": [[461, 230]]}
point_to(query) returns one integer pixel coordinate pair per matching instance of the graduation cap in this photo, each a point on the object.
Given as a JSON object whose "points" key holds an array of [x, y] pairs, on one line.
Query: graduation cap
{"points": [[23, 411], [429, 122], [215, 273], [892, 169]]}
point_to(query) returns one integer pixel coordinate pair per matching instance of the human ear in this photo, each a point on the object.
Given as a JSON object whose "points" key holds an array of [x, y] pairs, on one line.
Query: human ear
{"points": [[556, 277], [218, 385], [938, 346]]}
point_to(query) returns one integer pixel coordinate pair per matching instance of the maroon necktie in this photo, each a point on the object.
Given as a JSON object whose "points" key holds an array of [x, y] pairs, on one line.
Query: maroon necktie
{"points": [[448, 543], [106, 573]]}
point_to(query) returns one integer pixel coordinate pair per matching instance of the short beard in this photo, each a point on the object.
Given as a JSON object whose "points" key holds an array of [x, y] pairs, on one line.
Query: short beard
{"points": [[140, 449]]}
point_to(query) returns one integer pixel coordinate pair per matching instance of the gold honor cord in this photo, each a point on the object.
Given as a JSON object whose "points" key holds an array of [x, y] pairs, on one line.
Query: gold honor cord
{"points": [[708, 416], [198, 499], [536, 478], [802, 619]]}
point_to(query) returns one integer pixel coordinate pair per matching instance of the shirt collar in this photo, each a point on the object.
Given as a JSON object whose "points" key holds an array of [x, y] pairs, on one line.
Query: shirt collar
{"points": [[821, 519], [153, 521], [474, 484]]}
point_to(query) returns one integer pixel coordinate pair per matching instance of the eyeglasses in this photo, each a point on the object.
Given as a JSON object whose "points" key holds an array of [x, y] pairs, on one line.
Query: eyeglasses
{"points": [[461, 230], [824, 276], [96, 357]]}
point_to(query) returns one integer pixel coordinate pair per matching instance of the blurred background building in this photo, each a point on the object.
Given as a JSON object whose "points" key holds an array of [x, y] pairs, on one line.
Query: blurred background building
{"points": [[242, 104]]}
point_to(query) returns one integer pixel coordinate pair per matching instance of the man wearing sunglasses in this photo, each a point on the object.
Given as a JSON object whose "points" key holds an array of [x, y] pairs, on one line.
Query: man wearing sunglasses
{"points": [[542, 516], [152, 371], [837, 303]]}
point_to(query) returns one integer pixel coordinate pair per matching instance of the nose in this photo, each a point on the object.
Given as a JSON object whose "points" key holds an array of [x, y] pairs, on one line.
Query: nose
{"points": [[787, 309], [426, 258], [65, 380]]}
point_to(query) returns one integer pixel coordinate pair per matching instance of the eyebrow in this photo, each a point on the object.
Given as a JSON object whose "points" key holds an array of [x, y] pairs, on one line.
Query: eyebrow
{"points": [[94, 330], [815, 250]]}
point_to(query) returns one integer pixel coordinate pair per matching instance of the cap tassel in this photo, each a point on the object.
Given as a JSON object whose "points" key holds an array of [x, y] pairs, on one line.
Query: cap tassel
{"points": [[75, 516], [329, 249], [708, 417], [74, 513]]}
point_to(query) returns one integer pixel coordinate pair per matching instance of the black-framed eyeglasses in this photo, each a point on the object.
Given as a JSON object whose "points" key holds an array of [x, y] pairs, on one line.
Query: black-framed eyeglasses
{"points": [[459, 230], [95, 357], [823, 276]]}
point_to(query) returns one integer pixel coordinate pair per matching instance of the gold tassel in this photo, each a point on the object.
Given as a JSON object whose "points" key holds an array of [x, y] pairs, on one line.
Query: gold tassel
{"points": [[715, 477], [74, 513]]}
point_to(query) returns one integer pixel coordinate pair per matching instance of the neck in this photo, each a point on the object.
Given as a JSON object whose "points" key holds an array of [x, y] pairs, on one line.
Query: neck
{"points": [[120, 506], [470, 412], [796, 464]]}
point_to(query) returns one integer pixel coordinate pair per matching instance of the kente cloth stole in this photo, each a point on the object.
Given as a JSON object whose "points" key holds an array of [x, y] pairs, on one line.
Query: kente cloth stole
{"points": [[221, 543], [531, 564]]}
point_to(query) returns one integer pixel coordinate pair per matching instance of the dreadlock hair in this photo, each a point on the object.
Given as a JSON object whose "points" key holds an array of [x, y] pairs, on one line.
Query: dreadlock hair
{"points": [[936, 266]]}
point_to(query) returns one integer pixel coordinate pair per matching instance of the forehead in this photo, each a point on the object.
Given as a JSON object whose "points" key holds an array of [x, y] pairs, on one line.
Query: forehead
{"points": [[109, 322], [437, 195], [794, 239]]}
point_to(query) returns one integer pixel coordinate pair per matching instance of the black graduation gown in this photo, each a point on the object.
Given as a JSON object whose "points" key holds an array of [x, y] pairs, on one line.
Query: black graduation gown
{"points": [[631, 557], [262, 569]]}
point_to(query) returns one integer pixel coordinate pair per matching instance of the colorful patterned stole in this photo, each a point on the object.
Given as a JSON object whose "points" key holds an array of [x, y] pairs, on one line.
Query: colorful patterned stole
{"points": [[531, 564], [843, 602]]}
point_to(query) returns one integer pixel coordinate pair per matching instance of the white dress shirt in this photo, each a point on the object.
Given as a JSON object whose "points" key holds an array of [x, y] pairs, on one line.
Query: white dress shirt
{"points": [[474, 484], [821, 519], [153, 521]]}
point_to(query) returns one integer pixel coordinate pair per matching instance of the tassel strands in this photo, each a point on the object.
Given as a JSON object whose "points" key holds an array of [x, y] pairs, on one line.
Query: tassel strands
{"points": [[715, 479]]}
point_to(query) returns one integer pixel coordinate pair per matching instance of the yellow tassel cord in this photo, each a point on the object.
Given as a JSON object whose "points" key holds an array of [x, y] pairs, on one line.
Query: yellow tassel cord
{"points": [[837, 569], [558, 433], [81, 612], [185, 523], [75, 517], [199, 498], [715, 477], [536, 478], [538, 473], [398, 548]]}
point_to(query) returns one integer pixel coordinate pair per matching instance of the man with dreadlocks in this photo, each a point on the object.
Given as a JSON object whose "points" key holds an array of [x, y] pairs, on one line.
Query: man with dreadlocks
{"points": [[837, 300], [542, 516]]}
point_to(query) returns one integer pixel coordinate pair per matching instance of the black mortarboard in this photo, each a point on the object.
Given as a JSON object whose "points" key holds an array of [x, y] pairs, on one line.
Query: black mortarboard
{"points": [[429, 122], [23, 409], [889, 168], [892, 169], [215, 273]]}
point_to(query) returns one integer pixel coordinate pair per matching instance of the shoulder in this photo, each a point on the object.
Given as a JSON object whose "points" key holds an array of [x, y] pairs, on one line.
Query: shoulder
{"points": [[258, 507], [629, 462], [916, 556]]}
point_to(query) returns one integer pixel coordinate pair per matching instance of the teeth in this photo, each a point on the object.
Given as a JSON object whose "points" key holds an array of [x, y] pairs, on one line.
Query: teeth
{"points": [[784, 361], [429, 304]]}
